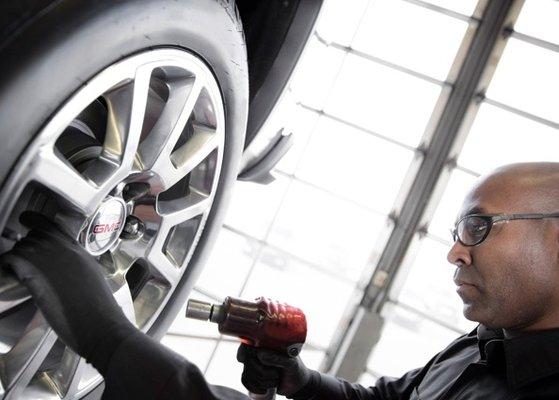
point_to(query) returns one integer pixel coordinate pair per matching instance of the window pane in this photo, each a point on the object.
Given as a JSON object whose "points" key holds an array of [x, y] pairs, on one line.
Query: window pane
{"points": [[526, 78], [386, 101], [316, 73], [284, 279], [539, 19], [412, 36], [458, 186], [339, 20], [253, 206], [408, 341], [328, 231], [220, 276], [355, 164], [500, 137], [428, 286], [224, 369]]}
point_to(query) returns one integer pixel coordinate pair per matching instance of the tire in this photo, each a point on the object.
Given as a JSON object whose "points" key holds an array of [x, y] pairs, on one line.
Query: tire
{"points": [[49, 49]]}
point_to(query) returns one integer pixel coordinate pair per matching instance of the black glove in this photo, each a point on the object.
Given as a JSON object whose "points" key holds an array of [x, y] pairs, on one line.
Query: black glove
{"points": [[68, 287], [265, 369]]}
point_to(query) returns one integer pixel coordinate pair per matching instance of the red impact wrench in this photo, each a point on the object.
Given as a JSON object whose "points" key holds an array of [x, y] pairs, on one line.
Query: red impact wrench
{"points": [[261, 323]]}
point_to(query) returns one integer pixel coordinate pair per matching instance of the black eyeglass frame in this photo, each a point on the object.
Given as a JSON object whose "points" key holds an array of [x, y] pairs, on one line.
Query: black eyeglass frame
{"points": [[492, 219]]}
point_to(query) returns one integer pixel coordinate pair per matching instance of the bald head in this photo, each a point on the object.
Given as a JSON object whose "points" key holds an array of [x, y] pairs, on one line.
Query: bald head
{"points": [[520, 188]]}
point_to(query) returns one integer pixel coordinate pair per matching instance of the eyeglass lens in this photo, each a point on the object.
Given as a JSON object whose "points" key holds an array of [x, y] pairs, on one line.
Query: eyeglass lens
{"points": [[471, 230]]}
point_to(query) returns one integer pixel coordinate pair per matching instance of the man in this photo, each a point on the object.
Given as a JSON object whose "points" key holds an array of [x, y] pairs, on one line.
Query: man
{"points": [[506, 252]]}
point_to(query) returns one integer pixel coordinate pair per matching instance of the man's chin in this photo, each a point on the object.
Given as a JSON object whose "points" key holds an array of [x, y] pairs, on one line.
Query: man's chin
{"points": [[473, 313], [481, 317]]}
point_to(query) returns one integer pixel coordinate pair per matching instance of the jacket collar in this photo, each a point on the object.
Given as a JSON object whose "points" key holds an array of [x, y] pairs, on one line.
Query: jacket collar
{"points": [[527, 358]]}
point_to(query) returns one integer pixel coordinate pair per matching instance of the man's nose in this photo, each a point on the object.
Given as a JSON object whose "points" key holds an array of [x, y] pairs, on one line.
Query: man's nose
{"points": [[459, 255]]}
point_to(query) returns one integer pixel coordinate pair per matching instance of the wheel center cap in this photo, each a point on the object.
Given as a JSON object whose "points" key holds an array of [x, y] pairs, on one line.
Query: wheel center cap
{"points": [[105, 226]]}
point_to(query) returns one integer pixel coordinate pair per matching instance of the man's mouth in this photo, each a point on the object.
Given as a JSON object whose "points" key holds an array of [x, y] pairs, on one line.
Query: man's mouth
{"points": [[466, 289], [460, 282]]}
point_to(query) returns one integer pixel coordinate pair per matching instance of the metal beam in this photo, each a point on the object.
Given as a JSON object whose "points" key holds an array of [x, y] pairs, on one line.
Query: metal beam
{"points": [[381, 61], [535, 41], [522, 113], [351, 349], [358, 127], [443, 10]]}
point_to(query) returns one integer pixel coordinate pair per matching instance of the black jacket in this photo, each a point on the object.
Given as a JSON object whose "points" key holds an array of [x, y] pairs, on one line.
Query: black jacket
{"points": [[479, 365]]}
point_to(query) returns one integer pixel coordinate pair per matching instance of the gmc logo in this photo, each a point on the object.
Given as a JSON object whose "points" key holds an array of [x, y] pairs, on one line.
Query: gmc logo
{"points": [[106, 228]]}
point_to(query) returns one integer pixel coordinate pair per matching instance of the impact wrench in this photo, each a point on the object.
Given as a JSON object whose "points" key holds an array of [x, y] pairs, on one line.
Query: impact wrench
{"points": [[262, 323]]}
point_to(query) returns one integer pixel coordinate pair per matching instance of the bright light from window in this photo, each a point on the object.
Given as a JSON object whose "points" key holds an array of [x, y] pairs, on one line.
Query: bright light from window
{"points": [[449, 206], [429, 287], [499, 137], [326, 230], [339, 20], [347, 161], [423, 40], [539, 19], [316, 73], [414, 338], [526, 78], [386, 101]]}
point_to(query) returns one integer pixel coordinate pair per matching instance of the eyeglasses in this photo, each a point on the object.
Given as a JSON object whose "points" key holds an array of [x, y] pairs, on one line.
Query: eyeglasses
{"points": [[472, 229]]}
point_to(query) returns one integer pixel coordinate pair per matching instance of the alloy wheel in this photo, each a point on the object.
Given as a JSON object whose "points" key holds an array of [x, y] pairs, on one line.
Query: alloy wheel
{"points": [[129, 168]]}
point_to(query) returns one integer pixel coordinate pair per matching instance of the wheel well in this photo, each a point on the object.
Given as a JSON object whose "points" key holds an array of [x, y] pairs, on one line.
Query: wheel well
{"points": [[276, 32], [265, 25]]}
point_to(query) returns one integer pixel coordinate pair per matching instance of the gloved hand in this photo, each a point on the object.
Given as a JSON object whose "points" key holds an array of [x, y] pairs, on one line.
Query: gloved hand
{"points": [[265, 369], [68, 287]]}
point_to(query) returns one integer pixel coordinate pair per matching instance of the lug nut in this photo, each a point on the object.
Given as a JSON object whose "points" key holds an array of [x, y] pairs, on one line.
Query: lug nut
{"points": [[133, 228]]}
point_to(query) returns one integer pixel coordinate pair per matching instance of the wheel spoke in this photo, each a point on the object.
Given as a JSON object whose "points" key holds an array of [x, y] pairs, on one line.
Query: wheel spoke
{"points": [[193, 152], [149, 300], [123, 297], [18, 366], [61, 177], [126, 109], [163, 265], [68, 374], [126, 106], [174, 213], [79, 373], [177, 211], [126, 253], [12, 292], [118, 122], [175, 167], [166, 131], [171, 166], [166, 175]]}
